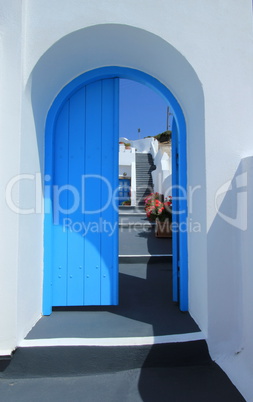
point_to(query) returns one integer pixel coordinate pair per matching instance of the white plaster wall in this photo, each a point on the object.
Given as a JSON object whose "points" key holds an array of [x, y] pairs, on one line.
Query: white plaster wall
{"points": [[214, 54], [126, 157], [143, 145], [125, 169], [154, 148], [161, 176], [10, 115], [21, 254], [239, 365]]}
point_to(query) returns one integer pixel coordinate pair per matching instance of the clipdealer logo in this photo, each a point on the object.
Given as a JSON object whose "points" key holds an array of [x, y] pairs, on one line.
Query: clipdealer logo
{"points": [[238, 189]]}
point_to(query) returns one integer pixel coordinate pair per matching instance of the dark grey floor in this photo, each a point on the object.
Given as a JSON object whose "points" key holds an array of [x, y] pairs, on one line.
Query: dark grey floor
{"points": [[136, 240], [145, 309], [172, 384]]}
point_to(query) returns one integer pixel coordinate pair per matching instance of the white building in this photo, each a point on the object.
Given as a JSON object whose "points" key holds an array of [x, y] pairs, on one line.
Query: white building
{"points": [[199, 51]]}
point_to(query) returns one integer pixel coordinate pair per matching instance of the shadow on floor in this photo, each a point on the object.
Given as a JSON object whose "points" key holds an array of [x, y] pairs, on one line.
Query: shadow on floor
{"points": [[145, 309]]}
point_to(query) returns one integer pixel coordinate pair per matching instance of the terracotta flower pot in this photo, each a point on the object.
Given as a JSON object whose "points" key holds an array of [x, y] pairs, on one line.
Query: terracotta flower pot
{"points": [[163, 229]]}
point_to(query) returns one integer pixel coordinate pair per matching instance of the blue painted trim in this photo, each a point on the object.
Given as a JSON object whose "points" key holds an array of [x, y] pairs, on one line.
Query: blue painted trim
{"points": [[67, 92], [183, 233], [175, 216]]}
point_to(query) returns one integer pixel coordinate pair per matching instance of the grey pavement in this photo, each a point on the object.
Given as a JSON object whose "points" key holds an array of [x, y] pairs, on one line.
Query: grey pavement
{"points": [[178, 384]]}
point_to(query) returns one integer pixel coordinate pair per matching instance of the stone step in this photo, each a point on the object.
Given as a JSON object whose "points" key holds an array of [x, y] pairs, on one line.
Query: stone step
{"points": [[61, 361], [149, 161], [140, 220], [144, 173], [147, 189], [144, 186], [129, 209], [144, 159], [146, 178], [145, 166], [144, 170], [146, 162]]}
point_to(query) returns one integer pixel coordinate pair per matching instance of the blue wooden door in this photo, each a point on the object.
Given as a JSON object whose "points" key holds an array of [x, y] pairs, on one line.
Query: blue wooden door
{"points": [[85, 181]]}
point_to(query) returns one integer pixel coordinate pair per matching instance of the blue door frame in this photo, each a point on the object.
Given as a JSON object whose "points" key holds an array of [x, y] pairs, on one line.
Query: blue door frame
{"points": [[180, 263]]}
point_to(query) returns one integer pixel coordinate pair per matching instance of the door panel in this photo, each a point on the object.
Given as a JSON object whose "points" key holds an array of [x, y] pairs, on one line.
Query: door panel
{"points": [[85, 230], [75, 265]]}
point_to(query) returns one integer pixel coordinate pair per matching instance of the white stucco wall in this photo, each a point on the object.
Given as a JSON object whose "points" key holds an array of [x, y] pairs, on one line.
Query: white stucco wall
{"points": [[143, 145], [202, 51], [126, 157], [10, 113], [162, 175]]}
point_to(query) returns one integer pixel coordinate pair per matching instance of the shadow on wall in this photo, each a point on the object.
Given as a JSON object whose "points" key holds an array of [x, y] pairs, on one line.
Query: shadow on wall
{"points": [[229, 253], [166, 370]]}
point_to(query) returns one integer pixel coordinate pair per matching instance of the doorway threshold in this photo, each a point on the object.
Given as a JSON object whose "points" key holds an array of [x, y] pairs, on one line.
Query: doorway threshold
{"points": [[121, 341]]}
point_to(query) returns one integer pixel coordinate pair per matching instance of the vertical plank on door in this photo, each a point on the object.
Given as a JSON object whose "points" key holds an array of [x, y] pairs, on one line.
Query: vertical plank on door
{"points": [[60, 206], [92, 194], [75, 282], [109, 215]]}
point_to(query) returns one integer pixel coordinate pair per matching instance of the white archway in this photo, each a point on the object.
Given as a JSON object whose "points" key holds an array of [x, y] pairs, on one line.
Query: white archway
{"points": [[126, 46]]}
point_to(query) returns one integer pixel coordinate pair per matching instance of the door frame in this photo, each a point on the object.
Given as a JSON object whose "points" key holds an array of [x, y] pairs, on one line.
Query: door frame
{"points": [[82, 80]]}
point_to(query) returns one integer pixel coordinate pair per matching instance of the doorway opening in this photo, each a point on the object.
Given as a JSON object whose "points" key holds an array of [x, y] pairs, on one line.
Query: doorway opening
{"points": [[145, 134], [60, 116]]}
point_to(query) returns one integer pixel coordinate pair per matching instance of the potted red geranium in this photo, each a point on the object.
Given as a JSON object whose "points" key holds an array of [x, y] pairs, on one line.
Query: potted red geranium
{"points": [[160, 211]]}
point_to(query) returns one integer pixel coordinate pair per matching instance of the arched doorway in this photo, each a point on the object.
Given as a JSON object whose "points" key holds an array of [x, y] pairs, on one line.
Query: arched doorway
{"points": [[54, 241]]}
